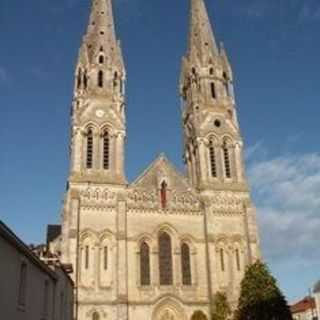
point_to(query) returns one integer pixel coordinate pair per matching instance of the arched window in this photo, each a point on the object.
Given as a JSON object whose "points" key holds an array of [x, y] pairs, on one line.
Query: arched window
{"points": [[89, 160], [95, 316], [101, 59], [105, 257], [186, 265], [213, 90], [100, 79], [165, 259], [86, 257], [222, 263], [238, 259], [79, 78], [213, 164], [211, 71], [145, 264], [106, 151], [226, 157]]}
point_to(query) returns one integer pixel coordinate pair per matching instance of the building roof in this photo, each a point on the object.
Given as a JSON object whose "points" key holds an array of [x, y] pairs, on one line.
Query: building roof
{"points": [[317, 287], [9, 236], [53, 232], [307, 303]]}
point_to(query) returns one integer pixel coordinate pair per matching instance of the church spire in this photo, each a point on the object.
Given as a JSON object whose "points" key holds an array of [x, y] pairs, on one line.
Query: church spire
{"points": [[99, 118], [201, 38], [101, 36]]}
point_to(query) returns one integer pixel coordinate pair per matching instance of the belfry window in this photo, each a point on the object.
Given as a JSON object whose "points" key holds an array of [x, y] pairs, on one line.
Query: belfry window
{"points": [[145, 264], [186, 265], [213, 90], [106, 151], [89, 160], [85, 80], [79, 78], [165, 259], [227, 165], [213, 164], [100, 79]]}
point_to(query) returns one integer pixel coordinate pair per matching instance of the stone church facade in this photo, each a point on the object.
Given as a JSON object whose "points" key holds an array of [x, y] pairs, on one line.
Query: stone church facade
{"points": [[160, 247]]}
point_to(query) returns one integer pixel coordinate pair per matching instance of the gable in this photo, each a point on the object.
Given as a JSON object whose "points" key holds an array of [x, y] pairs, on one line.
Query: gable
{"points": [[145, 191]]}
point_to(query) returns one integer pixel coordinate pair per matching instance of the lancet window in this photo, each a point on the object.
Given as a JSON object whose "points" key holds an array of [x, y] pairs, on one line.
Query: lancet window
{"points": [[222, 262], [186, 265], [165, 259], [145, 278], [227, 164]]}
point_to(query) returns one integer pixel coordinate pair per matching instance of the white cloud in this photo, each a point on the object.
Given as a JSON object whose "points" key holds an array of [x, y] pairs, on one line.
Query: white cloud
{"points": [[287, 194]]}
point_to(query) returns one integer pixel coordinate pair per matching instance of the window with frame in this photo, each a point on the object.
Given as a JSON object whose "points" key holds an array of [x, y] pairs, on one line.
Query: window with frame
{"points": [[22, 294], [106, 151], [79, 78], [238, 262], [89, 160], [100, 79], [213, 90], [105, 257], [186, 265], [222, 262], [86, 257], [145, 278], [165, 259]]}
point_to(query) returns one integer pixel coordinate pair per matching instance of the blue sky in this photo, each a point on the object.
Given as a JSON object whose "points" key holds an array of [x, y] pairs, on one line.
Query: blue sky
{"points": [[274, 49]]}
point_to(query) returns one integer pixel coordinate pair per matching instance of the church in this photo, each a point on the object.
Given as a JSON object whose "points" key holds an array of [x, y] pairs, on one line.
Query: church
{"points": [[159, 247]]}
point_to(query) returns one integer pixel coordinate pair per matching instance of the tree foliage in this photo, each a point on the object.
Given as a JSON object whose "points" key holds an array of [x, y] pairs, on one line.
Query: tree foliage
{"points": [[260, 297], [221, 307]]}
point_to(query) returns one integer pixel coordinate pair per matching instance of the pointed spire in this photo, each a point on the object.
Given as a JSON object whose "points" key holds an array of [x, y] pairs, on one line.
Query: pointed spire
{"points": [[202, 41], [101, 35]]}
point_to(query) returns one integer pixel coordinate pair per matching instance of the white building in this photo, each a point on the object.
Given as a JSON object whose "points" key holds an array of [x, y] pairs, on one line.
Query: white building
{"points": [[30, 289], [161, 246]]}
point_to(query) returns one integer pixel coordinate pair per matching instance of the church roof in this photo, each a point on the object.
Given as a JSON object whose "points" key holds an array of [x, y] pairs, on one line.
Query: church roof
{"points": [[304, 305]]}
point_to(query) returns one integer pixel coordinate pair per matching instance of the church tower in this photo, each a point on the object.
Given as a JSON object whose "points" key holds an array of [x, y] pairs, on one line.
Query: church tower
{"points": [[212, 140], [98, 113], [213, 153]]}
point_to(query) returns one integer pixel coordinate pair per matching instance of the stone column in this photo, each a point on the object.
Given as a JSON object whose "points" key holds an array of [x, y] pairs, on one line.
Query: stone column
{"points": [[238, 162], [122, 263]]}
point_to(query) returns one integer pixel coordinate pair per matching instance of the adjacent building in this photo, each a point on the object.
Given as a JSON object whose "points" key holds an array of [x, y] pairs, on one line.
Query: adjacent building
{"points": [[159, 247], [29, 288], [304, 309]]}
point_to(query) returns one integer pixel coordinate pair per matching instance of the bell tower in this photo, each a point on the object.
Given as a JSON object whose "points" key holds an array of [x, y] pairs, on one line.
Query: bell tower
{"points": [[98, 112], [212, 140]]}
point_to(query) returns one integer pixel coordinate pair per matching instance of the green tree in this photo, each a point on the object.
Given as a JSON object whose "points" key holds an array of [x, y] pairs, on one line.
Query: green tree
{"points": [[221, 307], [260, 297]]}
